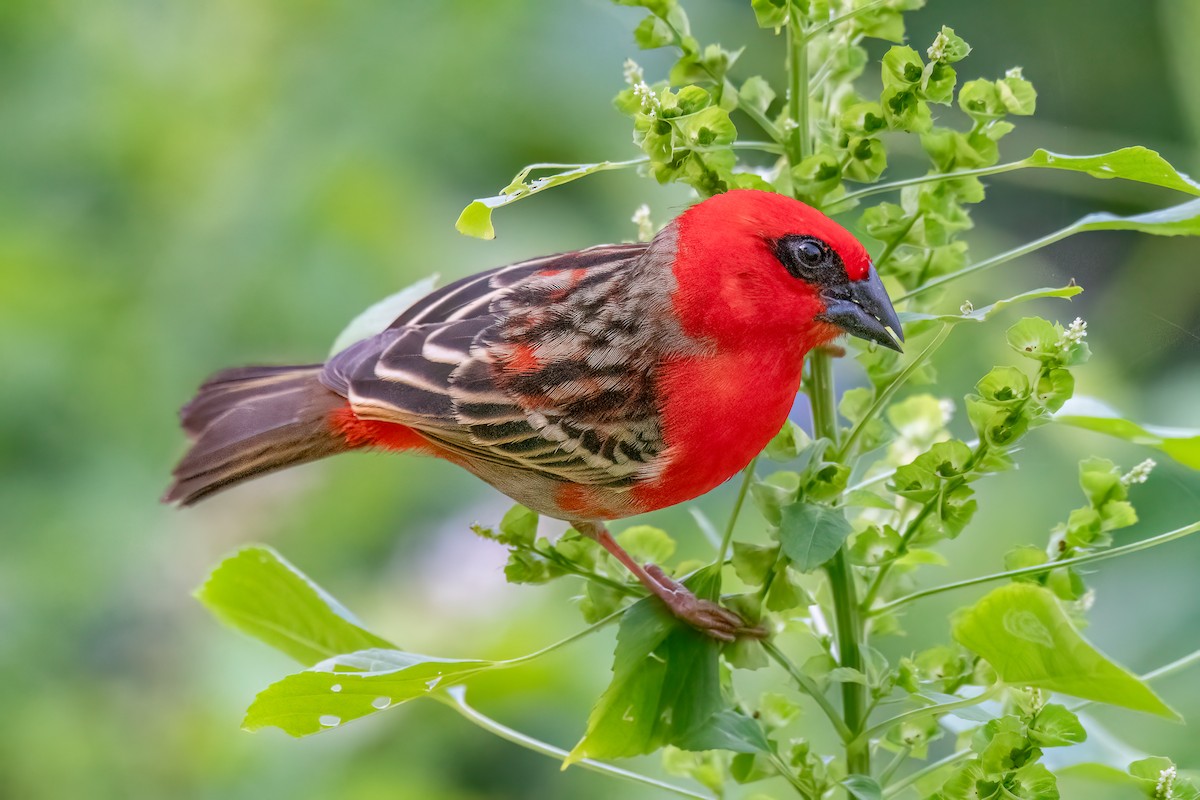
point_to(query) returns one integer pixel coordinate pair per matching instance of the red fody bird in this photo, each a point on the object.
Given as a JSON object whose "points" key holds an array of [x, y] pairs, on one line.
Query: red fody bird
{"points": [[587, 386]]}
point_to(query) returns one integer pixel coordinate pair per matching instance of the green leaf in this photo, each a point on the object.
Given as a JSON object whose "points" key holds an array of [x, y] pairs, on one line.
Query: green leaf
{"points": [[1159, 779], [951, 150], [902, 67], [257, 592], [875, 545], [1181, 444], [1025, 556], [865, 118], [848, 675], [1004, 386], [774, 492], [1017, 94], [753, 562], [377, 317], [777, 710], [665, 682], [652, 33], [983, 313], [937, 85], [1023, 632], [789, 443], [1129, 163], [1180, 220], [599, 600], [647, 544], [948, 47], [756, 93], [770, 13], [1034, 337], [810, 535], [726, 730], [348, 687], [868, 159], [1055, 726], [863, 787], [904, 110], [518, 527], [476, 219], [817, 175]]}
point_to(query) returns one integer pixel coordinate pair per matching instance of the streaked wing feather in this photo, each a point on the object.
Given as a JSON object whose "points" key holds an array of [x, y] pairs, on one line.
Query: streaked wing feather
{"points": [[578, 408]]}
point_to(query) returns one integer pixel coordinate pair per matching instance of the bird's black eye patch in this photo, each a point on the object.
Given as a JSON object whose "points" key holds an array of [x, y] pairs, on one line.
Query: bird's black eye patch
{"points": [[810, 259]]}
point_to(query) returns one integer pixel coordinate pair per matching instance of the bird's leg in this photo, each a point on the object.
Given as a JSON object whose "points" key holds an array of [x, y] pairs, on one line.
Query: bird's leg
{"points": [[703, 615]]}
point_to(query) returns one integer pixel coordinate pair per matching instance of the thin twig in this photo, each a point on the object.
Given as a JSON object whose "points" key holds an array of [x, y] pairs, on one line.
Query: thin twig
{"points": [[1049, 566], [809, 687], [456, 698]]}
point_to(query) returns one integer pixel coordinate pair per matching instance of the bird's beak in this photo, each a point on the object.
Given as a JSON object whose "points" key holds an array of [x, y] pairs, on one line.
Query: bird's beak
{"points": [[863, 309]]}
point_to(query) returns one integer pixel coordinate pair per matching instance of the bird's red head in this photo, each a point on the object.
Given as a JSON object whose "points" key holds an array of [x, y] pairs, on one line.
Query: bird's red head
{"points": [[751, 264]]}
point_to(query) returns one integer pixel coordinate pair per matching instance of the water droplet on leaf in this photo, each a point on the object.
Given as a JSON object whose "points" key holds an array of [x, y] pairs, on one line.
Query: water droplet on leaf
{"points": [[329, 721], [381, 702], [337, 687]]}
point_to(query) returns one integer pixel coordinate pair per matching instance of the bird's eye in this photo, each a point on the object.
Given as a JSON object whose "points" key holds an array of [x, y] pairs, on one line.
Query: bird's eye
{"points": [[810, 253], [809, 259]]}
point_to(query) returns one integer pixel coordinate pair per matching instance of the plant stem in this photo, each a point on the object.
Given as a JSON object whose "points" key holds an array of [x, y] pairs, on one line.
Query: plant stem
{"points": [[895, 764], [1050, 566], [891, 246], [790, 776], [886, 395], [799, 142], [908, 780], [996, 260], [747, 479], [849, 628], [1177, 665], [892, 186], [824, 26], [809, 687], [929, 711], [849, 638], [456, 698], [550, 648]]}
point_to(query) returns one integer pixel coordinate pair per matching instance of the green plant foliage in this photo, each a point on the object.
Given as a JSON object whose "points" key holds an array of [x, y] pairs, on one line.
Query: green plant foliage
{"points": [[665, 685], [347, 687], [1027, 638], [1181, 445], [259, 593], [810, 535]]}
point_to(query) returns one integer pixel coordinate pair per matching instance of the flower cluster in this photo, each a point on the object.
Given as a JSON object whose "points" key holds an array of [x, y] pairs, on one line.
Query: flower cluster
{"points": [[636, 78], [1075, 333], [1165, 788], [1139, 473]]}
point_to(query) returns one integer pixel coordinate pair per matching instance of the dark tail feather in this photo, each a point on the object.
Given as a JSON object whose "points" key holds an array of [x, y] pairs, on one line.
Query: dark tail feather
{"points": [[252, 420]]}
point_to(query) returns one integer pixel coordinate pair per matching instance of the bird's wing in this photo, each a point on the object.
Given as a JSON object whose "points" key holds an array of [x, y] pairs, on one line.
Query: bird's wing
{"points": [[547, 365]]}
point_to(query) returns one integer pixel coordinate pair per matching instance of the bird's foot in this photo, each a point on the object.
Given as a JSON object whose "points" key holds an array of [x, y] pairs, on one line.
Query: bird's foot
{"points": [[705, 616]]}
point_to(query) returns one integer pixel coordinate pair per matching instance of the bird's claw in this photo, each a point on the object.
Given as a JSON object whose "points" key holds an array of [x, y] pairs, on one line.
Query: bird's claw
{"points": [[705, 616]]}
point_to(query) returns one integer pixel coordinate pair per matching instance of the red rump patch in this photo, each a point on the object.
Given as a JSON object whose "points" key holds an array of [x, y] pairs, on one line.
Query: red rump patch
{"points": [[360, 433], [580, 502]]}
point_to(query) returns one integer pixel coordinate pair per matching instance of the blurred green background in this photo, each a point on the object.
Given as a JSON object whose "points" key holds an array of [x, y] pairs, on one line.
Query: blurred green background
{"points": [[186, 186]]}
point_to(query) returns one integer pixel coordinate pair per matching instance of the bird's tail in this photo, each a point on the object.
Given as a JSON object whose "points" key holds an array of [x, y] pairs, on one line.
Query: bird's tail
{"points": [[249, 421]]}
